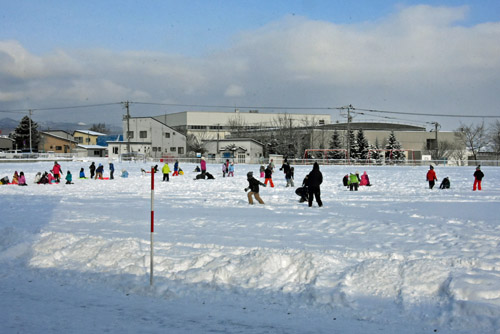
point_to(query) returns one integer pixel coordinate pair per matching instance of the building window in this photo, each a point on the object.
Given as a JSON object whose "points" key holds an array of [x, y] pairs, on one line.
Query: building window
{"points": [[97, 153], [58, 148], [158, 149], [154, 149], [173, 149], [321, 122], [130, 134], [180, 150], [197, 127], [143, 134], [115, 150], [167, 135], [79, 139]]}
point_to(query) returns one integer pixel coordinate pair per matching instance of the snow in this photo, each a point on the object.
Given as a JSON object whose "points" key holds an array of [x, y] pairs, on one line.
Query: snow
{"points": [[396, 257]]}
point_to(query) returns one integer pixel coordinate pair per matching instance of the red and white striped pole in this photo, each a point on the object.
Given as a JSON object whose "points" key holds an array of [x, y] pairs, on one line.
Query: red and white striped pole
{"points": [[152, 222]]}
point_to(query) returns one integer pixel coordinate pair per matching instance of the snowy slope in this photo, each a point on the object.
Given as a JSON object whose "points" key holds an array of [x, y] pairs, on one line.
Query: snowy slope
{"points": [[395, 257]]}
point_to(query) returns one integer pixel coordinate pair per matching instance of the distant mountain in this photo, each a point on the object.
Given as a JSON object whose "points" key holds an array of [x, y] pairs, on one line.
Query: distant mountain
{"points": [[8, 125]]}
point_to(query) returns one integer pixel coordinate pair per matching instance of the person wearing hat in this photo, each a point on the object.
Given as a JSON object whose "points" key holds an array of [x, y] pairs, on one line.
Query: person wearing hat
{"points": [[253, 186], [203, 165], [478, 177], [431, 177]]}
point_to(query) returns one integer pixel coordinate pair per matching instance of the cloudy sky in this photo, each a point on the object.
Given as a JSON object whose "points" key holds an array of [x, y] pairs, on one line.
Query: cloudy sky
{"points": [[429, 57]]}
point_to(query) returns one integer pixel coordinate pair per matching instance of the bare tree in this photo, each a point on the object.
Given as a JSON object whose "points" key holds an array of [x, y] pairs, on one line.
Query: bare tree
{"points": [[474, 137], [236, 125], [444, 150], [494, 135]]}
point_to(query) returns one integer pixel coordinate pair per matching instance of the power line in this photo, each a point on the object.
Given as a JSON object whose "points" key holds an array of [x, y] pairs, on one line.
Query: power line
{"points": [[425, 114]]}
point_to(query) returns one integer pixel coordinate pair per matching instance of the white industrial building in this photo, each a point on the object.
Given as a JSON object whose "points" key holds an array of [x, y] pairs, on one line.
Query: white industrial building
{"points": [[217, 125], [148, 137]]}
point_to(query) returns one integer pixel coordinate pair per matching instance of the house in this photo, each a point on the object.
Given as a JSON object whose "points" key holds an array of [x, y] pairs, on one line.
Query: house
{"points": [[149, 137], [87, 137], [240, 150], [57, 142], [6, 143]]}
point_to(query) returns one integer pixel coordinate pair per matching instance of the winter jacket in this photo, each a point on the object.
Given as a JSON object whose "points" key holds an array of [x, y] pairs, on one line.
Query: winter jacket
{"points": [[56, 169], [431, 175], [22, 180], [111, 167], [353, 178], [315, 177], [364, 180], [285, 167], [231, 168], [92, 168], [253, 184], [69, 177], [478, 174], [176, 166], [203, 164], [165, 169], [269, 173]]}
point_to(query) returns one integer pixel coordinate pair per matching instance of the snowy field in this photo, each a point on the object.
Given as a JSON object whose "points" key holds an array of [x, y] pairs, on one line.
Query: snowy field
{"points": [[392, 258]]}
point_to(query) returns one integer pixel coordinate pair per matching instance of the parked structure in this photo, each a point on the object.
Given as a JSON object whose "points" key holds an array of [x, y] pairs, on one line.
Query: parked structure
{"points": [[240, 150], [149, 137], [57, 142], [87, 137]]}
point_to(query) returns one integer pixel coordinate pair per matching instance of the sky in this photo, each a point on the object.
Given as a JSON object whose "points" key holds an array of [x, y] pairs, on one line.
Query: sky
{"points": [[428, 57]]}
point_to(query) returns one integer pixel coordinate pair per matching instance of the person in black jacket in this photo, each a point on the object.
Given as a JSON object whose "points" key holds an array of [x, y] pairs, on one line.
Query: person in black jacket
{"points": [[478, 177], [92, 170], [314, 180], [253, 186]]}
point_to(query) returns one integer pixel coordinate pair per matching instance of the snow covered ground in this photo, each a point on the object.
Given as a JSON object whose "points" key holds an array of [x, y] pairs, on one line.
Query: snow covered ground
{"points": [[393, 258]]}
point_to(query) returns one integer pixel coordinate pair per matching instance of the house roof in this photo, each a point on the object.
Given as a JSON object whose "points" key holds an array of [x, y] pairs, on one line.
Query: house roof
{"points": [[93, 147], [58, 137], [91, 133], [235, 140]]}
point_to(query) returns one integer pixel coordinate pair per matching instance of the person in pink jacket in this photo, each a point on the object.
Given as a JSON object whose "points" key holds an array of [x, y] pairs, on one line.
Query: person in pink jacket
{"points": [[22, 179], [203, 165], [365, 180]]}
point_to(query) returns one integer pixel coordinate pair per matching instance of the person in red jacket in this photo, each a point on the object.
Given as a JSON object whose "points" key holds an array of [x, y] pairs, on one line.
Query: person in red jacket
{"points": [[478, 176], [431, 177]]}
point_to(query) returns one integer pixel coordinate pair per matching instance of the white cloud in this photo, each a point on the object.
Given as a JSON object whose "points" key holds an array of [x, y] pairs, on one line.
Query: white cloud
{"points": [[418, 59], [234, 91]]}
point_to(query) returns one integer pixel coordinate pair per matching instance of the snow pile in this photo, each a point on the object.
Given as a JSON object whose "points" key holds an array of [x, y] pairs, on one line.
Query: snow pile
{"points": [[395, 256]]}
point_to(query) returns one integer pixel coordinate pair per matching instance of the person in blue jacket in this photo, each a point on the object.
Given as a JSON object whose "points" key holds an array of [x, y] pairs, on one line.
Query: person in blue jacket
{"points": [[111, 170]]}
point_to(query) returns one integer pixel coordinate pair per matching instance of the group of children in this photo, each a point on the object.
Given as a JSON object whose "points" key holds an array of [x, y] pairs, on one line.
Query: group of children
{"points": [[431, 177], [353, 181]]}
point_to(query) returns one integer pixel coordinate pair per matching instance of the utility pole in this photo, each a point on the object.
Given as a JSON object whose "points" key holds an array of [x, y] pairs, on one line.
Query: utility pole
{"points": [[31, 148], [436, 126], [128, 125], [349, 107]]}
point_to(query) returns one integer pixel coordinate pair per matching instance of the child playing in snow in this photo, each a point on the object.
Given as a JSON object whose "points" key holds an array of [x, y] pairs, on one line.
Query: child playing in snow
{"points": [[22, 179], [231, 170], [253, 186], [269, 176], [69, 178], [478, 177]]}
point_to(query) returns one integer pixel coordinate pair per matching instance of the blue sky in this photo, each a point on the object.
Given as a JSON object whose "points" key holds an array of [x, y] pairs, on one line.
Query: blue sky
{"points": [[186, 27], [437, 57]]}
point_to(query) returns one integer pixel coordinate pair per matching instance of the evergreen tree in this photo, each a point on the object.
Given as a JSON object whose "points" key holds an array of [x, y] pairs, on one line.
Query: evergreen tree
{"points": [[362, 145], [394, 145], [336, 143], [353, 145], [375, 155], [22, 134]]}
